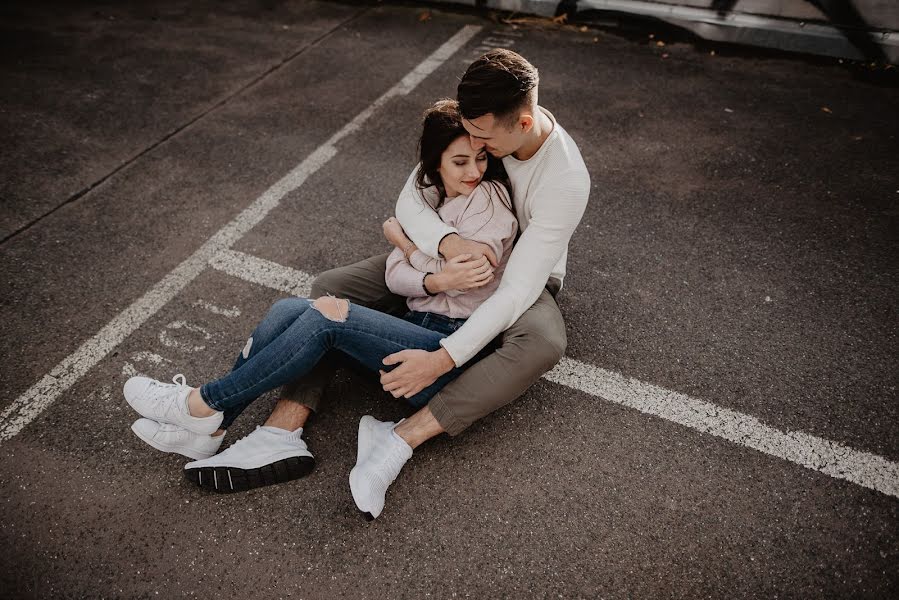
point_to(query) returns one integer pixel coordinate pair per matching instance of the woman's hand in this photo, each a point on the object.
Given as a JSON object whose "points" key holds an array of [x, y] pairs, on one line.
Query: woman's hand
{"points": [[464, 273], [394, 233]]}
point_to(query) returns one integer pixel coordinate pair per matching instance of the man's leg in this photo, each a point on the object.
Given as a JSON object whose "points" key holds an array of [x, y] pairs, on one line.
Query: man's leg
{"points": [[530, 348], [361, 283]]}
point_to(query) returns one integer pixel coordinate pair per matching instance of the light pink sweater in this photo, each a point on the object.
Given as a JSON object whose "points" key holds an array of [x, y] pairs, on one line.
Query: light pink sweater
{"points": [[482, 216]]}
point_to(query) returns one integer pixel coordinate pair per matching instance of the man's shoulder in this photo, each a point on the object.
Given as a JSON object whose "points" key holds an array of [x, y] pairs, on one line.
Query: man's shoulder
{"points": [[567, 150]]}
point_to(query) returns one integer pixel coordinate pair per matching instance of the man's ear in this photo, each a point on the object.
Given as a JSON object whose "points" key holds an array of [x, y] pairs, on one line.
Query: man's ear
{"points": [[526, 122]]}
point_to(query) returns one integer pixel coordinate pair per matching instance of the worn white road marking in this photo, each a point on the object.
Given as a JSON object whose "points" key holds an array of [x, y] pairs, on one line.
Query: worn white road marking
{"points": [[42, 394], [263, 272], [150, 357], [168, 340], [128, 369], [231, 313], [819, 454]]}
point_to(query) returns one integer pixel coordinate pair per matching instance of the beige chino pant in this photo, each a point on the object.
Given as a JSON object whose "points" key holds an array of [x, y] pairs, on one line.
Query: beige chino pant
{"points": [[527, 350]]}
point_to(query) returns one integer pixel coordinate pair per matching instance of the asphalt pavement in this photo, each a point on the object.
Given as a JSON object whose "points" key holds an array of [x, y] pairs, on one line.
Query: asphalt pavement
{"points": [[171, 169]]}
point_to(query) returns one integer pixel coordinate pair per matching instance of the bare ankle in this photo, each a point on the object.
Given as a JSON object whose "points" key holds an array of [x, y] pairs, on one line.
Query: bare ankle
{"points": [[197, 407], [289, 415]]}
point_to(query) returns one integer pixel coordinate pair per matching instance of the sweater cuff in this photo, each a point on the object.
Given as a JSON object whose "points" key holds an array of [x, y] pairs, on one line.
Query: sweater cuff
{"points": [[459, 357]]}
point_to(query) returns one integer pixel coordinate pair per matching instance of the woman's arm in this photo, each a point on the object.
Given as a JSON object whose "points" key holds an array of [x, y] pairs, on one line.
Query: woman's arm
{"points": [[404, 279]]}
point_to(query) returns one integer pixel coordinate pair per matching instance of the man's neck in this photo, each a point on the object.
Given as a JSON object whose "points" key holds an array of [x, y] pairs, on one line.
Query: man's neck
{"points": [[543, 126]]}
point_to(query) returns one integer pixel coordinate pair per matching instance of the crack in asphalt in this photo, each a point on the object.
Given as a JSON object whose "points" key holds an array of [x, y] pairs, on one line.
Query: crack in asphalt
{"points": [[215, 106]]}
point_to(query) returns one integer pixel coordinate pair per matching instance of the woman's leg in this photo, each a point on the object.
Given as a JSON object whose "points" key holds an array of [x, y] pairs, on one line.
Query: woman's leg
{"points": [[280, 317], [365, 335]]}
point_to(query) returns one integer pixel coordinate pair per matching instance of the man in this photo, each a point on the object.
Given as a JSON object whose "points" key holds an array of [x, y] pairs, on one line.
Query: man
{"points": [[550, 186]]}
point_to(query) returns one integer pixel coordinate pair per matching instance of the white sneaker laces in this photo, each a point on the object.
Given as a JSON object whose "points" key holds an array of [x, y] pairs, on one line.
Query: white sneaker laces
{"points": [[170, 390]]}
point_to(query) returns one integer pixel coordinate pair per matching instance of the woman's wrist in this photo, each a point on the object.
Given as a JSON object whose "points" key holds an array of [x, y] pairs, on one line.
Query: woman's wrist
{"points": [[433, 283]]}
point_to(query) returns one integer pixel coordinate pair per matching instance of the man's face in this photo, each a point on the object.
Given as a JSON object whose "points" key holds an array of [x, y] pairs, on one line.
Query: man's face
{"points": [[495, 136]]}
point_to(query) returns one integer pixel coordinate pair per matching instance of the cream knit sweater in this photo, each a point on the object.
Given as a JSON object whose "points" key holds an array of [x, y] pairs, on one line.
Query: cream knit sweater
{"points": [[549, 192]]}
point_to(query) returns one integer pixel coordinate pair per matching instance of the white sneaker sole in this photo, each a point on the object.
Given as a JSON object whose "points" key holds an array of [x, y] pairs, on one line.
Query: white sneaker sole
{"points": [[360, 504], [171, 448]]}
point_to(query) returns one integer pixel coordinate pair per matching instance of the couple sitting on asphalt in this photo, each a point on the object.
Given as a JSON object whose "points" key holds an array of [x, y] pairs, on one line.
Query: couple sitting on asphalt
{"points": [[480, 321]]}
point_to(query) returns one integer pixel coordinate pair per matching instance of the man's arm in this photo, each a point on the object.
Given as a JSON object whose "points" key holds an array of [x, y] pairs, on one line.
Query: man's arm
{"points": [[425, 228], [421, 222], [542, 244], [538, 250]]}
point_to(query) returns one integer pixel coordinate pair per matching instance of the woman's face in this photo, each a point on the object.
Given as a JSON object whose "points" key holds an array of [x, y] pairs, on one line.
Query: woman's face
{"points": [[461, 167]]}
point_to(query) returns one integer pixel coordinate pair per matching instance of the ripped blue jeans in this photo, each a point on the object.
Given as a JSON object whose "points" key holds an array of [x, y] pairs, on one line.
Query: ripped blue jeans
{"points": [[294, 336]]}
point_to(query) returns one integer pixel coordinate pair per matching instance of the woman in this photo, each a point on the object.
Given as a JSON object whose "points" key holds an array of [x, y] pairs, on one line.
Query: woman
{"points": [[298, 332]]}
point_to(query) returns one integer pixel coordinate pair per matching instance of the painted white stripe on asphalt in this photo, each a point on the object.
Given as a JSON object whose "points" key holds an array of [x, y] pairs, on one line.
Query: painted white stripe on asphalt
{"points": [[812, 452], [42, 394], [263, 272], [828, 457]]}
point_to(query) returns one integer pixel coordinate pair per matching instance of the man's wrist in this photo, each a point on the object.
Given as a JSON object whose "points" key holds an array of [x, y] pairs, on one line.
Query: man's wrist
{"points": [[444, 359], [445, 246]]}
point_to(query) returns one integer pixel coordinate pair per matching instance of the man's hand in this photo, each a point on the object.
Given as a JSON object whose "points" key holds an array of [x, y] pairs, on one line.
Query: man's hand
{"points": [[453, 245], [417, 370], [394, 233], [463, 272]]}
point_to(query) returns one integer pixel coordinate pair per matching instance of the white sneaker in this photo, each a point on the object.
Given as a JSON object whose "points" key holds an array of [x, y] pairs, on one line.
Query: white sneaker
{"points": [[171, 438], [167, 403], [380, 458], [266, 456]]}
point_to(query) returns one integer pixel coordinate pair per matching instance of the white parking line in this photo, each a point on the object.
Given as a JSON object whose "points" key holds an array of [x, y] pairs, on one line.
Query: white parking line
{"points": [[812, 452], [263, 272], [42, 394], [828, 457]]}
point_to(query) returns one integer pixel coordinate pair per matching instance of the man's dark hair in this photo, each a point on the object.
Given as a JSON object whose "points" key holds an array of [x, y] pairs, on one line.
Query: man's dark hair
{"points": [[500, 82]]}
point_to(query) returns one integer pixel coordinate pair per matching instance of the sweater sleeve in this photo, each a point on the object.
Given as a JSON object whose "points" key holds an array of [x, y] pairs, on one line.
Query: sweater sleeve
{"points": [[558, 208], [402, 278], [421, 223], [425, 263], [487, 218]]}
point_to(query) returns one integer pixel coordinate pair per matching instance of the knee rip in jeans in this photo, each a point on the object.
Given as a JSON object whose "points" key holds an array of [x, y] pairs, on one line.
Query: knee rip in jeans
{"points": [[334, 309]]}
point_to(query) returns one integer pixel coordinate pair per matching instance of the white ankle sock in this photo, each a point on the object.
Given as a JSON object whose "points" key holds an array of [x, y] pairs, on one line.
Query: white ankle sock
{"points": [[277, 430]]}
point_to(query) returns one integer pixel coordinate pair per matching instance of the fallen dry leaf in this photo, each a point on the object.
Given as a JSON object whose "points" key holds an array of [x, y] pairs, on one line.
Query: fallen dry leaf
{"points": [[425, 16], [561, 19], [665, 55], [583, 28], [827, 110], [660, 44]]}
